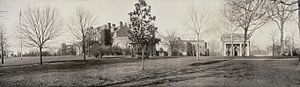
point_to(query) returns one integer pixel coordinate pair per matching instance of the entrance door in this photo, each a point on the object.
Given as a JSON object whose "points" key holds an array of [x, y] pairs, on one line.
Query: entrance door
{"points": [[236, 50], [235, 53]]}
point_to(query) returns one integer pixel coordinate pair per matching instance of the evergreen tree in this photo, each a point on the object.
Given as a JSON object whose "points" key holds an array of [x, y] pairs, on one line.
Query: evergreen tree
{"points": [[142, 32]]}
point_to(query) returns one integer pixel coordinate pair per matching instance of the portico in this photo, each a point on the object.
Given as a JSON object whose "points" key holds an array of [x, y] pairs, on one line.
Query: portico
{"points": [[234, 47]]}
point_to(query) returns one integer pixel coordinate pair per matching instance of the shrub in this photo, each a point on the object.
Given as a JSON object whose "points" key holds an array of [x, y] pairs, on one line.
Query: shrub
{"points": [[97, 50]]}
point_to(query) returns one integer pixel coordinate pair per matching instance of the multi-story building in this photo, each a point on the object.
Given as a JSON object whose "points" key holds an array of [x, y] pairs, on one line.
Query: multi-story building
{"points": [[120, 36], [181, 47], [117, 34]]}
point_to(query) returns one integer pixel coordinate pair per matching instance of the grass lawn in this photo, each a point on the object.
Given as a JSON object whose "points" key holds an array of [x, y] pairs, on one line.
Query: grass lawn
{"points": [[126, 71]]}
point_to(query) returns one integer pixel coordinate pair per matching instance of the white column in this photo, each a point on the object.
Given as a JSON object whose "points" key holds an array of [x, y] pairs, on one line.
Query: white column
{"points": [[241, 49], [248, 49], [224, 49]]}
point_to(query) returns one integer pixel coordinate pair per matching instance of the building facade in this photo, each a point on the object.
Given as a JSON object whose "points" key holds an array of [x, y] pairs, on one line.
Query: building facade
{"points": [[120, 36], [181, 47], [202, 47], [232, 45], [117, 33]]}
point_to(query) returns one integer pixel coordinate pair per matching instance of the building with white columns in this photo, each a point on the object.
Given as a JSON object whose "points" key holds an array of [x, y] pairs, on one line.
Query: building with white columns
{"points": [[232, 45]]}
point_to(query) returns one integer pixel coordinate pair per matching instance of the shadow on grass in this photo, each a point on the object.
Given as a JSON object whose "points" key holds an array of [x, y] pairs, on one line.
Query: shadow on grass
{"points": [[264, 57], [66, 65], [60, 66], [207, 62]]}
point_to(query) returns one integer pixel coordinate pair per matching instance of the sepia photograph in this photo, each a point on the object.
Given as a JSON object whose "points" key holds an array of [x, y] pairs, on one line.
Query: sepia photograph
{"points": [[150, 43]]}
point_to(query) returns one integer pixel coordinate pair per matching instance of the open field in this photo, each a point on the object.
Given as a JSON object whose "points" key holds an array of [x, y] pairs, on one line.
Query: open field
{"points": [[126, 71]]}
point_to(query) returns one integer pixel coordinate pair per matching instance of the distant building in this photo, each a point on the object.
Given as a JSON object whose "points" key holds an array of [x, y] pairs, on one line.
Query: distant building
{"points": [[120, 36], [236, 50], [94, 34], [202, 45], [181, 48], [78, 48], [68, 49], [117, 33], [101, 33], [185, 48]]}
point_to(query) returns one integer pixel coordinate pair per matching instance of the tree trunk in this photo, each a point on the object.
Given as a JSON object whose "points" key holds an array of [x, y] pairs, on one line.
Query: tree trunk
{"points": [[2, 46], [231, 37], [41, 55], [291, 51], [170, 52], [293, 46], [83, 49], [273, 53], [133, 52], [198, 47], [2, 51], [143, 57], [299, 16], [281, 40], [89, 51], [244, 44], [299, 19], [273, 48]]}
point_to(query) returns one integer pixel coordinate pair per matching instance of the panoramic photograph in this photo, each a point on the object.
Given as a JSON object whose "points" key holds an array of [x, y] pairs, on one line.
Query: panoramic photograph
{"points": [[150, 43]]}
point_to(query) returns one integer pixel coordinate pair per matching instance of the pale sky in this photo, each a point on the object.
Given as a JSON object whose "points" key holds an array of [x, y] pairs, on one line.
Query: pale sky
{"points": [[171, 15]]}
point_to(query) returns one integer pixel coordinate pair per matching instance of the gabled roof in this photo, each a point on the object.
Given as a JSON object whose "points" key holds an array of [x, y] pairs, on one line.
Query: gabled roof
{"points": [[122, 31]]}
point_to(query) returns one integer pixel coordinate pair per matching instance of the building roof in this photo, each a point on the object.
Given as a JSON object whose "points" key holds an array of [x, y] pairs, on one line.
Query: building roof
{"points": [[195, 40], [236, 37], [122, 31]]}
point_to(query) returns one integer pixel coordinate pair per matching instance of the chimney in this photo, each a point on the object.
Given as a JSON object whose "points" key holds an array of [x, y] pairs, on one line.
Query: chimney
{"points": [[105, 27], [114, 27], [121, 24], [109, 25]]}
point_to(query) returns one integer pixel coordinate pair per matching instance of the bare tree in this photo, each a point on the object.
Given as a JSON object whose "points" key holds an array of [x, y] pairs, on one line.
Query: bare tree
{"points": [[80, 22], [273, 35], [2, 35], [280, 14], [248, 15], [39, 26], [170, 40], [229, 27], [3, 41], [196, 23], [214, 48], [292, 3], [292, 34]]}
